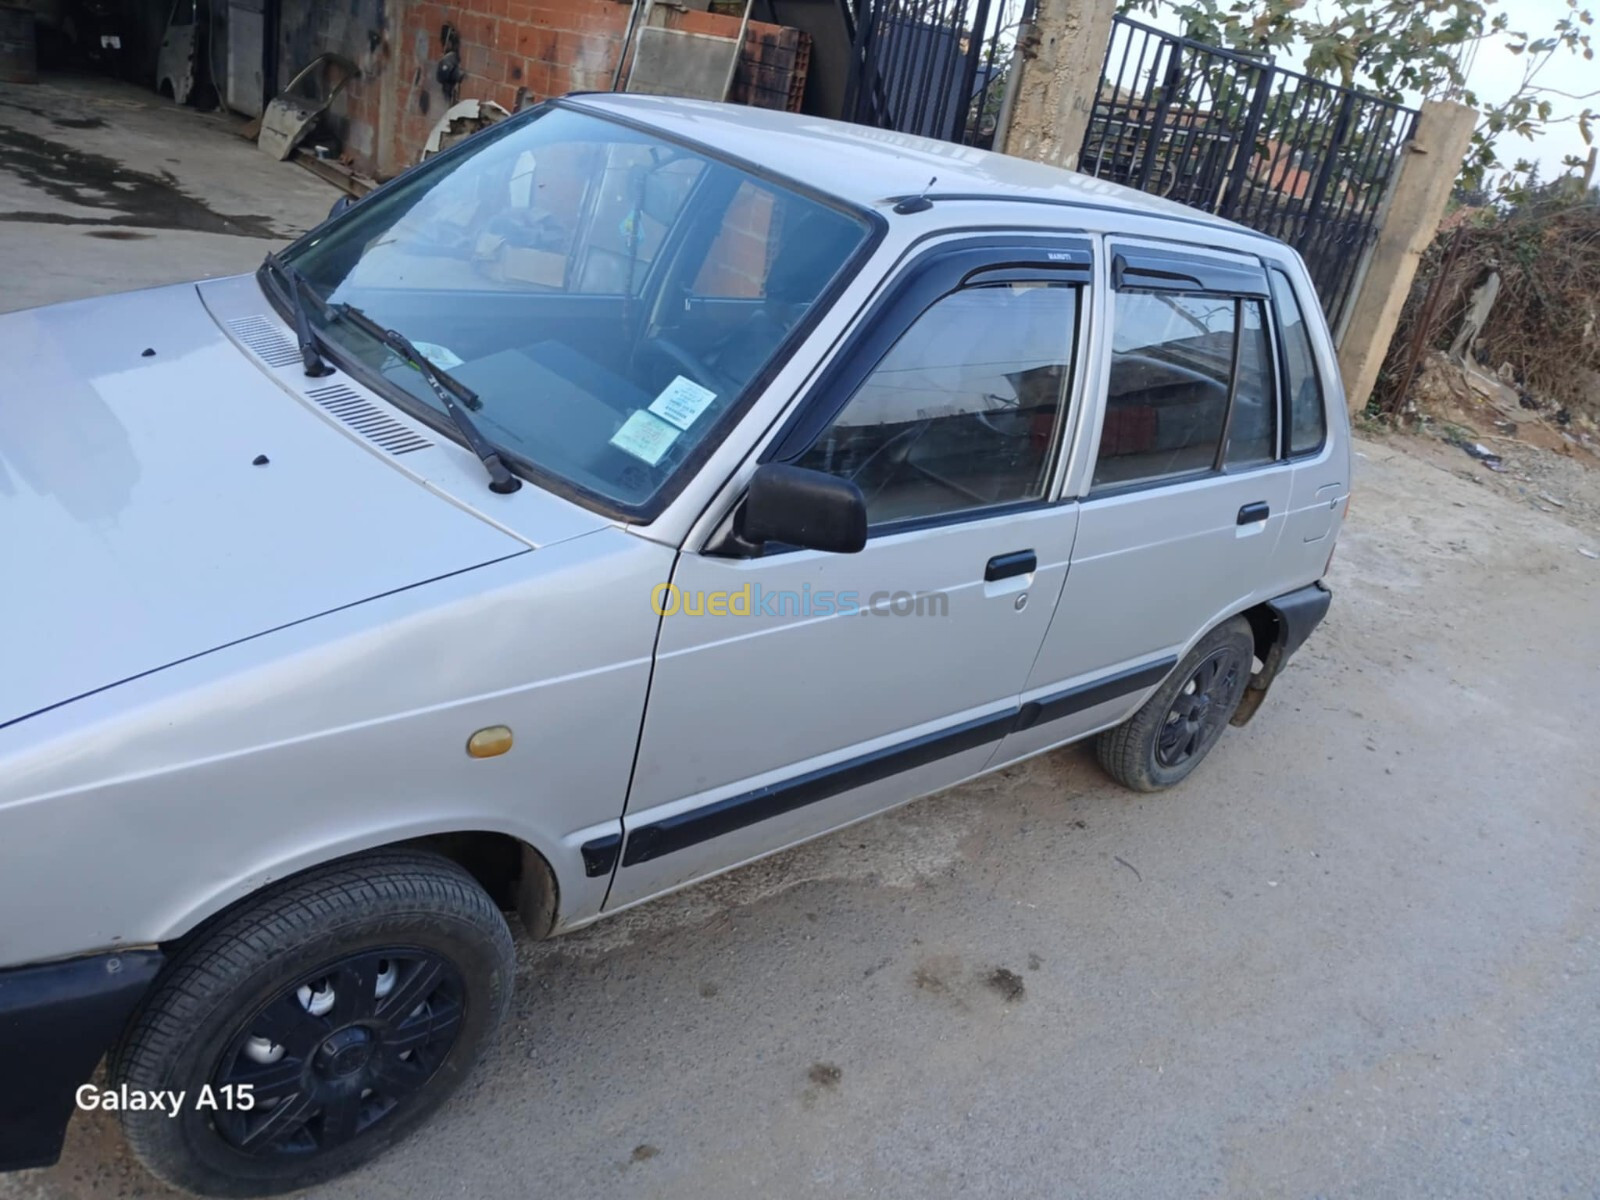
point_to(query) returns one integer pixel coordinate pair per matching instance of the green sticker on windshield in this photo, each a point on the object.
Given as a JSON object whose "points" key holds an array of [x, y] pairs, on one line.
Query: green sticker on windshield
{"points": [[645, 437]]}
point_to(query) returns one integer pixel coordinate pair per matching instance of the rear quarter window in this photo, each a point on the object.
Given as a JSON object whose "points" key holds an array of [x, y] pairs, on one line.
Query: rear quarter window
{"points": [[1308, 421]]}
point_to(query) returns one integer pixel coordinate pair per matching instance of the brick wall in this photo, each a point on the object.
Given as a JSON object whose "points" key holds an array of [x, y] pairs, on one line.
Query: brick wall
{"points": [[511, 50], [736, 263], [532, 50]]}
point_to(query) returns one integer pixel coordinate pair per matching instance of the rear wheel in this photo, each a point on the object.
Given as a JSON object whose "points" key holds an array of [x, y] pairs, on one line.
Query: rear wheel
{"points": [[1160, 744], [322, 1022]]}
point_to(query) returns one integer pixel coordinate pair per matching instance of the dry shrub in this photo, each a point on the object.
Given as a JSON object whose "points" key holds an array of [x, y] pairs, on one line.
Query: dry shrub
{"points": [[1545, 323]]}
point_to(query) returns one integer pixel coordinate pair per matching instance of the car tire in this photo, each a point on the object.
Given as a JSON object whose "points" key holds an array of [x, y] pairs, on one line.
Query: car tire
{"points": [[330, 963], [1165, 740]]}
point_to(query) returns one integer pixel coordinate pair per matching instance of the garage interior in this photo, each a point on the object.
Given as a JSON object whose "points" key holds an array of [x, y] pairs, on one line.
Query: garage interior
{"points": [[388, 70]]}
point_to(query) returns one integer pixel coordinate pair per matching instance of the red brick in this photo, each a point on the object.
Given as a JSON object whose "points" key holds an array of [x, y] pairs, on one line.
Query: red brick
{"points": [[536, 43], [536, 78]]}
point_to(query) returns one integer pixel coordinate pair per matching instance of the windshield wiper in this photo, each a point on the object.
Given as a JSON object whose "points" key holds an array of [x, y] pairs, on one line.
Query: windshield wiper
{"points": [[296, 290], [456, 396]]}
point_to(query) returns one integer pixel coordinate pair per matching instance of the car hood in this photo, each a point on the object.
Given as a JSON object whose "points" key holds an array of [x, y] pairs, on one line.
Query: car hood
{"points": [[161, 496]]}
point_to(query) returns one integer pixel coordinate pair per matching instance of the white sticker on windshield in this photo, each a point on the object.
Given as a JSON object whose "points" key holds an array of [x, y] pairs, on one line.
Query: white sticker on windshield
{"points": [[644, 437], [681, 402], [441, 356]]}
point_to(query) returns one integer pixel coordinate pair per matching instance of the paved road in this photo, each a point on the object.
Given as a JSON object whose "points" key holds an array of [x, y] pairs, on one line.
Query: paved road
{"points": [[1355, 955]]}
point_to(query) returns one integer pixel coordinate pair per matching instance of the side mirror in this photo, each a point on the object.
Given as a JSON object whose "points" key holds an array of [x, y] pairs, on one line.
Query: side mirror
{"points": [[804, 508], [343, 202]]}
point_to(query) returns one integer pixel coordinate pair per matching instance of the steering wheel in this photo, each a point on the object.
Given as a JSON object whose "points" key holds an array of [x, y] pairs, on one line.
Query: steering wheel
{"points": [[894, 451]]}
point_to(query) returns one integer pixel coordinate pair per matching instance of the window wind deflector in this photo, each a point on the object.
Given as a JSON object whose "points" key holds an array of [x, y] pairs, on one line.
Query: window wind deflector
{"points": [[1054, 266], [1154, 271]]}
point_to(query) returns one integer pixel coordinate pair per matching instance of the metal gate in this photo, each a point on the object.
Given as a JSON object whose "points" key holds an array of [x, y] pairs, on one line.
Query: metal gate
{"points": [[1304, 160], [932, 67]]}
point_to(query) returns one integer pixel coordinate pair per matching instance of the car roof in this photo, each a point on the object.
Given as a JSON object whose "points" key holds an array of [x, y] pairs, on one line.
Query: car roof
{"points": [[867, 166]]}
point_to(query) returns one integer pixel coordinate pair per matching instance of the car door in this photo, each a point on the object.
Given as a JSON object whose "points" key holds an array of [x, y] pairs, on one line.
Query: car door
{"points": [[1185, 501], [796, 691]]}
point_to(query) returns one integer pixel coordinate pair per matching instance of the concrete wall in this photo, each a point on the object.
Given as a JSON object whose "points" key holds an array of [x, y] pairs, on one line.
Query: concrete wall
{"points": [[1062, 54], [1428, 170]]}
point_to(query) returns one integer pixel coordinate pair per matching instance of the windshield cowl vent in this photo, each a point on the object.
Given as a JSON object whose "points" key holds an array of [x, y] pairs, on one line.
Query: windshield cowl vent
{"points": [[266, 341], [366, 418]]}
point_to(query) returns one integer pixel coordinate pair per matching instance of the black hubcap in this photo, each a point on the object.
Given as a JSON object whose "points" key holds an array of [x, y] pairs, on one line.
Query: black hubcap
{"points": [[1198, 711], [337, 1052]]}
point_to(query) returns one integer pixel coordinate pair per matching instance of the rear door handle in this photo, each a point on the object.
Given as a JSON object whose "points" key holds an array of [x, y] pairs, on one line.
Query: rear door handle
{"points": [[1251, 513], [1004, 566]]}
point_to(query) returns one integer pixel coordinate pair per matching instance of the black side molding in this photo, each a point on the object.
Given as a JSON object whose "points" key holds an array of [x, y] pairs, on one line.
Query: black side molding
{"points": [[736, 812], [1096, 691], [713, 820], [600, 854], [56, 1020]]}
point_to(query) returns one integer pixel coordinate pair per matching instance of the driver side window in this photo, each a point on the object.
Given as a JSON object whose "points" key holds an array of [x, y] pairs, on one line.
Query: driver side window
{"points": [[965, 410]]}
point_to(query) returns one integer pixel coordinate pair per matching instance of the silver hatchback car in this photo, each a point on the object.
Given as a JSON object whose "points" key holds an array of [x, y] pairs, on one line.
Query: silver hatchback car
{"points": [[634, 490]]}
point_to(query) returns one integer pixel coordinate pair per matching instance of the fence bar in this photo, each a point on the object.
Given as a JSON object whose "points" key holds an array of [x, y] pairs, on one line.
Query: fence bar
{"points": [[1298, 158]]}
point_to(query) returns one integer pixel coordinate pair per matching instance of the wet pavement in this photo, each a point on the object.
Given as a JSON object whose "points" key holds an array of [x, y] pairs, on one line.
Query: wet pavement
{"points": [[105, 187]]}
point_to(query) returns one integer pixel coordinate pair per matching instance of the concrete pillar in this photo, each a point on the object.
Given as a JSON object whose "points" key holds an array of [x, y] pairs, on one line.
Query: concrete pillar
{"points": [[1059, 61], [1429, 165]]}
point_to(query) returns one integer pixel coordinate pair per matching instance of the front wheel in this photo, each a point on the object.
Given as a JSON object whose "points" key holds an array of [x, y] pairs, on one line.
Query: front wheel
{"points": [[1160, 744], [314, 1027]]}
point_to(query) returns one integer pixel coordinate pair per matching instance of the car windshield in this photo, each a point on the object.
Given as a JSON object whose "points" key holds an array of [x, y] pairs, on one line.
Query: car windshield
{"points": [[608, 294]]}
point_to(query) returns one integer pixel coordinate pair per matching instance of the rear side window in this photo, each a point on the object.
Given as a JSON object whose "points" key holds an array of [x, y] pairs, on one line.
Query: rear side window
{"points": [[1307, 419], [1171, 362]]}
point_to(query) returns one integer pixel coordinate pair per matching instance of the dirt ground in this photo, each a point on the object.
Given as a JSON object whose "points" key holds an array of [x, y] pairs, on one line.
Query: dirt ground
{"points": [[1355, 955], [1548, 459]]}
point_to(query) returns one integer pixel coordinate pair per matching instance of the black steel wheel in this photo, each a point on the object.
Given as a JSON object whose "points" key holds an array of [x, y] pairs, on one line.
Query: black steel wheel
{"points": [[1200, 709], [322, 1020], [1176, 727], [353, 1042]]}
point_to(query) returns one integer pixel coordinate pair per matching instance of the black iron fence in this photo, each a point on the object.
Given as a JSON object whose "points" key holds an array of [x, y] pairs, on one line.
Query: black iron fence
{"points": [[933, 67], [1304, 160]]}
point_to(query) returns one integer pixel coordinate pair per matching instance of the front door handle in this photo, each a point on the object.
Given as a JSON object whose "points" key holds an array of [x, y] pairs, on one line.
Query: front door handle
{"points": [[1251, 513], [1004, 566]]}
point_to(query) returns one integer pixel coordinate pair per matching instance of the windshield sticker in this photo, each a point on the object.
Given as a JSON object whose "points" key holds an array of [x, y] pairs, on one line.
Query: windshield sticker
{"points": [[682, 401], [644, 437], [443, 358]]}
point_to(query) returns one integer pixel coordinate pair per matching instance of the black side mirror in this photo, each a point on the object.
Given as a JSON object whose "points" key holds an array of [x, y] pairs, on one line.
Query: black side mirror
{"points": [[804, 508], [343, 202]]}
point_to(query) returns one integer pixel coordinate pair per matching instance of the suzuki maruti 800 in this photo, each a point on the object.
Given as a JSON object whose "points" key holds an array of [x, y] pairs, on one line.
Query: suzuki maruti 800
{"points": [[638, 488]]}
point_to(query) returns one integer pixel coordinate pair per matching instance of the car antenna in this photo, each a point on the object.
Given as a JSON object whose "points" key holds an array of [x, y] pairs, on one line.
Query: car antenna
{"points": [[916, 204]]}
